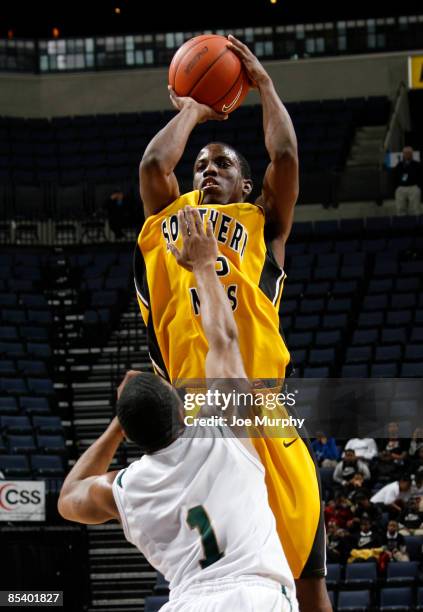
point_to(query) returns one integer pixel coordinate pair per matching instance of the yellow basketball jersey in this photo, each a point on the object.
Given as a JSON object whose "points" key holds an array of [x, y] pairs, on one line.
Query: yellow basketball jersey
{"points": [[253, 281], [169, 300]]}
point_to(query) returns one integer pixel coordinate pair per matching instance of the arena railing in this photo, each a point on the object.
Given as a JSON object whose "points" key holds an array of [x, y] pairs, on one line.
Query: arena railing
{"points": [[143, 50]]}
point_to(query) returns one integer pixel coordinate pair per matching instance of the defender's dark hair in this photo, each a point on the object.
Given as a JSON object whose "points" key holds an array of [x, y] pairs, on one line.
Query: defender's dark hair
{"points": [[244, 165], [148, 411]]}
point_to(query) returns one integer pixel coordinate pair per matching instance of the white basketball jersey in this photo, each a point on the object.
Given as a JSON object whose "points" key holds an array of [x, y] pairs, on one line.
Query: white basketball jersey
{"points": [[198, 510]]}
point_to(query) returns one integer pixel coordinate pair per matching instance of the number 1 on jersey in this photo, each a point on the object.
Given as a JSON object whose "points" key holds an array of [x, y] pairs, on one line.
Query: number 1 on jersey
{"points": [[197, 519]]}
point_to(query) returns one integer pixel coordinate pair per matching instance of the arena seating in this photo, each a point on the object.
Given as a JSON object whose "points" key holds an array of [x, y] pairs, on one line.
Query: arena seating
{"points": [[64, 168]]}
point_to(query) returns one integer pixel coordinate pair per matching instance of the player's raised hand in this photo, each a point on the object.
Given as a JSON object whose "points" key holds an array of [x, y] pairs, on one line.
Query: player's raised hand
{"points": [[254, 68], [205, 113], [199, 247]]}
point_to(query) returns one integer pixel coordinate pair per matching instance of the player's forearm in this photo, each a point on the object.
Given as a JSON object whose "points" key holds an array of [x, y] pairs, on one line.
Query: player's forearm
{"points": [[279, 133], [216, 313], [167, 147], [97, 458]]}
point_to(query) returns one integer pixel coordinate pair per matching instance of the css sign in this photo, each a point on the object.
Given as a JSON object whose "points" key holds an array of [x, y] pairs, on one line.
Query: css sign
{"points": [[22, 501]]}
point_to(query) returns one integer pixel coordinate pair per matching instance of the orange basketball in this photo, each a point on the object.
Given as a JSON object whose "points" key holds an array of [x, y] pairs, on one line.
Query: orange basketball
{"points": [[205, 69]]}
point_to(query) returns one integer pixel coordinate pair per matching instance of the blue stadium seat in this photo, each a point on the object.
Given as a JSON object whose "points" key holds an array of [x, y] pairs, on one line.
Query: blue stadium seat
{"points": [[399, 318], [52, 445], [155, 602], [47, 424], [16, 385], [8, 368], [416, 334], [19, 445], [414, 547], [316, 372], [414, 352], [344, 287], [370, 320], [388, 353], [12, 349], [322, 356], [14, 466], [401, 301], [8, 406], [380, 285], [365, 337], [412, 370], [396, 335], [375, 302], [34, 405], [398, 599], [39, 350], [298, 340], [41, 386], [339, 305], [355, 371], [411, 283], [333, 576], [360, 574], [402, 573], [8, 332], [33, 333], [334, 321], [317, 289], [419, 605], [20, 425], [353, 601], [47, 465], [32, 368], [359, 354], [303, 322], [309, 306], [384, 370], [328, 338]]}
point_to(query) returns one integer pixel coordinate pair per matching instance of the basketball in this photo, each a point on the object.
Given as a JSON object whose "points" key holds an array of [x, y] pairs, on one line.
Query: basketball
{"points": [[205, 69]]}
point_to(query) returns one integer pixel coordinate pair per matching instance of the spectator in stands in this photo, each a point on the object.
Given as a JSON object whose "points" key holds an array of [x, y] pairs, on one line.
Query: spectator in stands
{"points": [[368, 537], [325, 450], [411, 518], [349, 466], [386, 469], [365, 448], [394, 543], [338, 510], [394, 445], [355, 487], [417, 486], [118, 212], [338, 543], [363, 508], [408, 179], [416, 442], [394, 495]]}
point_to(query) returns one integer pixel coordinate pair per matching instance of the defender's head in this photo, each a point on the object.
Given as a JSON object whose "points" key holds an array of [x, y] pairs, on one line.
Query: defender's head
{"points": [[407, 153], [223, 174], [150, 412]]}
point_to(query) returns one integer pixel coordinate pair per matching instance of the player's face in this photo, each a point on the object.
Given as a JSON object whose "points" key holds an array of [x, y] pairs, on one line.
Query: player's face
{"points": [[217, 172]]}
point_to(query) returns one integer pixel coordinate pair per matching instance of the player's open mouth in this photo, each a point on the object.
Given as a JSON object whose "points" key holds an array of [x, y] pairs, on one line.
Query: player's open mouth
{"points": [[209, 183]]}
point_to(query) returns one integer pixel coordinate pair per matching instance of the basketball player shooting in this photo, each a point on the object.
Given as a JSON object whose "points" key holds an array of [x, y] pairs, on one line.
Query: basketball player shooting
{"points": [[251, 239], [181, 503]]}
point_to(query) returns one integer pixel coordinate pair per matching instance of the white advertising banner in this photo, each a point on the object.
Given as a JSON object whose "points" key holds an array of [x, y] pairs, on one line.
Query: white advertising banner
{"points": [[22, 500]]}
